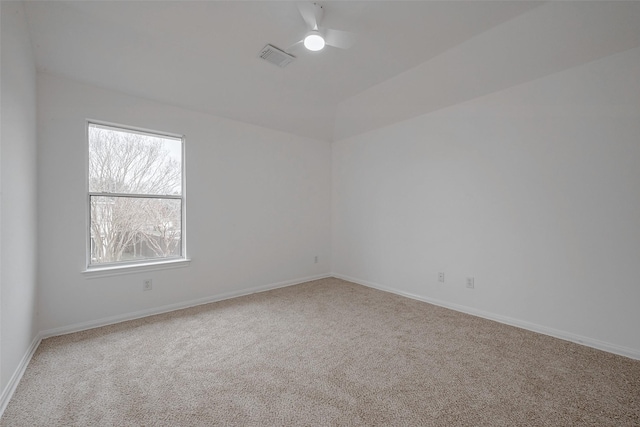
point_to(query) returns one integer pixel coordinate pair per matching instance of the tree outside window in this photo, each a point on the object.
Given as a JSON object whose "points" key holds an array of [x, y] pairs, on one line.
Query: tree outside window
{"points": [[136, 199]]}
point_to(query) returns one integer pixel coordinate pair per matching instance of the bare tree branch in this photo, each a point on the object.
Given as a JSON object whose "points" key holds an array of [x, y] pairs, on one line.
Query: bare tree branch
{"points": [[124, 227]]}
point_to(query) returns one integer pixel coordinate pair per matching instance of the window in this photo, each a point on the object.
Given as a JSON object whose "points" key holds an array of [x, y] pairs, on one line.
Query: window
{"points": [[136, 197]]}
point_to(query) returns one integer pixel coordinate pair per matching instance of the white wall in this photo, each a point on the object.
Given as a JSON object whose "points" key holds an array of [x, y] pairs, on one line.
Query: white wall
{"points": [[258, 206], [18, 315], [532, 190]]}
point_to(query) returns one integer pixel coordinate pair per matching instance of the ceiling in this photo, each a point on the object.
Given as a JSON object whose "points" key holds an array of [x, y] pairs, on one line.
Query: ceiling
{"points": [[203, 55]]}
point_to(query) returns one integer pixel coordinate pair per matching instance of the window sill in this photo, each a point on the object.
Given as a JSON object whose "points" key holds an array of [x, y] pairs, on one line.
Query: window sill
{"points": [[115, 270]]}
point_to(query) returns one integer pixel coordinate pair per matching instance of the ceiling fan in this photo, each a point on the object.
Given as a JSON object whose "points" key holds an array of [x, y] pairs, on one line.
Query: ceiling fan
{"points": [[318, 37]]}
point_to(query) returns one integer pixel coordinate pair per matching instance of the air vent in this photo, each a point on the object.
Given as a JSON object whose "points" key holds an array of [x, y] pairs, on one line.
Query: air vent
{"points": [[276, 56]]}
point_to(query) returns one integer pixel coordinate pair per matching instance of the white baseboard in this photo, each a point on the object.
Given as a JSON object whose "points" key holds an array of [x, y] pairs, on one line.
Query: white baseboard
{"points": [[8, 391], [567, 336], [77, 327]]}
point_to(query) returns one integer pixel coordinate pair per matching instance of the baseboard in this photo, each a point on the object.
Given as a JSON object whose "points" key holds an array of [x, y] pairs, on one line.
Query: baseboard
{"points": [[567, 336], [77, 327], [8, 391]]}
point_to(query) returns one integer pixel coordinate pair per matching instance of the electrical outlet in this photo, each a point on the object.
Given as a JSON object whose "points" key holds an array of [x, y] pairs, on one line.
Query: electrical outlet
{"points": [[470, 282], [147, 285], [441, 277]]}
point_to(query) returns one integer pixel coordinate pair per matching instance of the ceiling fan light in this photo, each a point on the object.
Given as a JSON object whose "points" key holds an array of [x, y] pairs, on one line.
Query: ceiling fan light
{"points": [[314, 42]]}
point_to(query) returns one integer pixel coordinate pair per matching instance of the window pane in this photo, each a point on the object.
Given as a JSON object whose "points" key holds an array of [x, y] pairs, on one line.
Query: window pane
{"points": [[132, 229], [129, 162]]}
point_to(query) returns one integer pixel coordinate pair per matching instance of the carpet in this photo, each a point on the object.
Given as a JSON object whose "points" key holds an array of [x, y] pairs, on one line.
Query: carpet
{"points": [[323, 353]]}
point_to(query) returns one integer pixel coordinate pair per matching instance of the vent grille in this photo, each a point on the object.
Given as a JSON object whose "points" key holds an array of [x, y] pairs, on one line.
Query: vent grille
{"points": [[276, 56]]}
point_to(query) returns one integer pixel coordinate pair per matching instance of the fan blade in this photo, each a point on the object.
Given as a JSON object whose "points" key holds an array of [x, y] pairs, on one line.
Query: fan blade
{"points": [[338, 38], [308, 12], [296, 47]]}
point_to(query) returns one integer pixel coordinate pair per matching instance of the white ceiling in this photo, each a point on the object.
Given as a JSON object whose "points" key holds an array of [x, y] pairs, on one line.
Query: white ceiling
{"points": [[203, 55]]}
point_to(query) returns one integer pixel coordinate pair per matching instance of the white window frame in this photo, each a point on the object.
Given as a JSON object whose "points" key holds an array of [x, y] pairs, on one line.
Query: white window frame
{"points": [[123, 267]]}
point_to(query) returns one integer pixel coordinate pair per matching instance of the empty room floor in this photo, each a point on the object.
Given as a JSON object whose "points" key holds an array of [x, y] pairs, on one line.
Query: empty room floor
{"points": [[327, 352]]}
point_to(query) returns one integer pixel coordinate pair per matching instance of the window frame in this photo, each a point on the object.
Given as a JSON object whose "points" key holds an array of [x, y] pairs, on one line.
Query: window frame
{"points": [[120, 267]]}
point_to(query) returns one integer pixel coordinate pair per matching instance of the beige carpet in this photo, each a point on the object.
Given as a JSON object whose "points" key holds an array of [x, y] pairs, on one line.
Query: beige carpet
{"points": [[327, 352]]}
